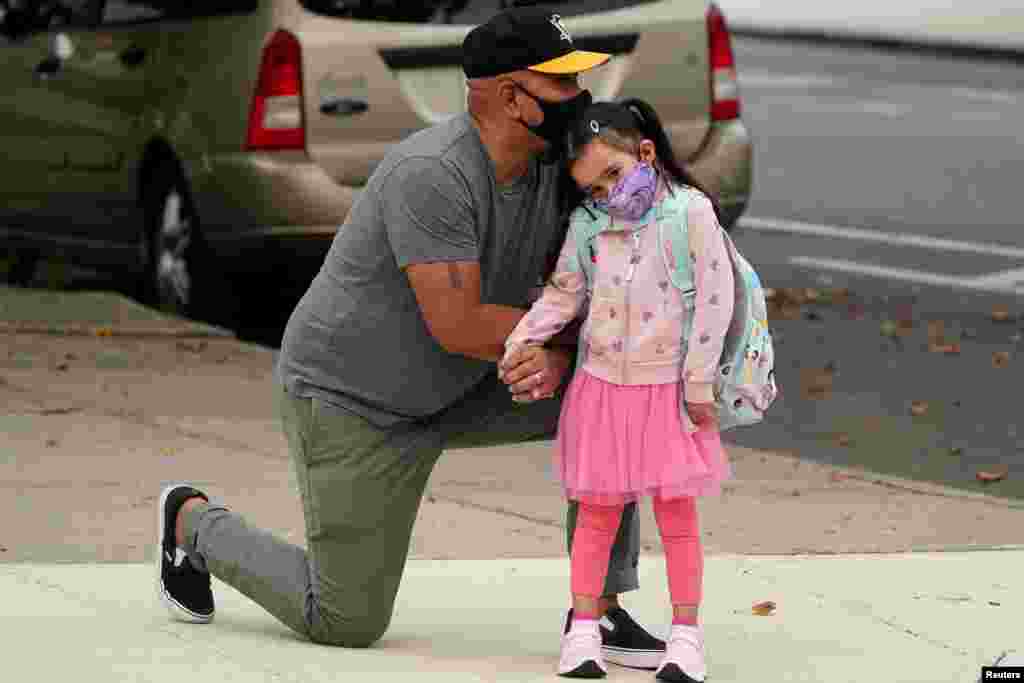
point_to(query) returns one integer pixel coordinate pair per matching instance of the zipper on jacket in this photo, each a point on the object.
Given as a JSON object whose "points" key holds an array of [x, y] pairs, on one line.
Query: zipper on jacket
{"points": [[630, 273]]}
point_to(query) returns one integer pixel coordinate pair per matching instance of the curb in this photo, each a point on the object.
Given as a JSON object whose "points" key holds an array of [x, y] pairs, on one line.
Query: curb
{"points": [[923, 488], [114, 331], [925, 46]]}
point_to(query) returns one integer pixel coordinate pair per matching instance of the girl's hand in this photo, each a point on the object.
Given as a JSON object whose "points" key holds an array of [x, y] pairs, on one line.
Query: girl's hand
{"points": [[533, 372], [703, 415]]}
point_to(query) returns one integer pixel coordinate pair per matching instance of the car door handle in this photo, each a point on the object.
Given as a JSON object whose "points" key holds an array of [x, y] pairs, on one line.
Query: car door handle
{"points": [[132, 56], [343, 106]]}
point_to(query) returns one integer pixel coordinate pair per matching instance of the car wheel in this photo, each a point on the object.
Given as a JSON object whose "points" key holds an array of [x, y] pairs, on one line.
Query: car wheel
{"points": [[22, 266], [182, 276]]}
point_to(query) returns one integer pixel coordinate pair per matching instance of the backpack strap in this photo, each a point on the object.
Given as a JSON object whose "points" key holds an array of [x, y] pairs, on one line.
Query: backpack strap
{"points": [[585, 226], [673, 234]]}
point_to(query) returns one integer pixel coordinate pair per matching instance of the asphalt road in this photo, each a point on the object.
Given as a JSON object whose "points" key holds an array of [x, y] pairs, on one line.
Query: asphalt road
{"points": [[895, 177]]}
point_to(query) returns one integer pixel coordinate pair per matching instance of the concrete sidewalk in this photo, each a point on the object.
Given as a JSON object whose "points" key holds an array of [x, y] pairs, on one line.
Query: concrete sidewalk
{"points": [[93, 424], [996, 25], [926, 618]]}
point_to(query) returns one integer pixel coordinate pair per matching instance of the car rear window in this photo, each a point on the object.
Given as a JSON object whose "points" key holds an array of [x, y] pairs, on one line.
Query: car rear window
{"points": [[452, 11]]}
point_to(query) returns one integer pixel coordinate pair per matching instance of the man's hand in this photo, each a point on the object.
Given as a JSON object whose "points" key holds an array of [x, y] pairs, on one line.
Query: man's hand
{"points": [[534, 372], [703, 415]]}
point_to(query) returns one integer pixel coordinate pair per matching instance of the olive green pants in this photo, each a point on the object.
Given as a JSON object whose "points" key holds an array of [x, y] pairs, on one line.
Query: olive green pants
{"points": [[361, 488]]}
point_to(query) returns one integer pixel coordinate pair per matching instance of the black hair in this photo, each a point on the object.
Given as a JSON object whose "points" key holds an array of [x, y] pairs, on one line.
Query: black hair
{"points": [[650, 127], [645, 124]]}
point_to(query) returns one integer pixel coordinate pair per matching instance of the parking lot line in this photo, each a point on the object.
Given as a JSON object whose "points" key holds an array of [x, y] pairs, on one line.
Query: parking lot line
{"points": [[981, 284], [896, 239]]}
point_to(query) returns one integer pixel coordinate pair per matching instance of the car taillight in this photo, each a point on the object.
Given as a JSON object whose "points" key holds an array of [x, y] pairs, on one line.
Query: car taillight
{"points": [[276, 120], [725, 91]]}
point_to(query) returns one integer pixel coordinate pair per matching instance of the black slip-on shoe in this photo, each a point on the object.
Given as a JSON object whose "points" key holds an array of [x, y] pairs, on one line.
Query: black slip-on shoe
{"points": [[627, 643], [183, 589]]}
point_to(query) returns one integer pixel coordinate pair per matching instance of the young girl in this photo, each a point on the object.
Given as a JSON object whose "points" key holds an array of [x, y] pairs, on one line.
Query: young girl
{"points": [[622, 434]]}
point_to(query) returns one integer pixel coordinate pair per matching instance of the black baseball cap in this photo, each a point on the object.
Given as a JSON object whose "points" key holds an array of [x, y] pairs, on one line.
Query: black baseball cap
{"points": [[524, 38]]}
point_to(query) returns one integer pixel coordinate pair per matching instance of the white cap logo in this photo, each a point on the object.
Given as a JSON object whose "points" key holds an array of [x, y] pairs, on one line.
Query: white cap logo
{"points": [[594, 126], [556, 21]]}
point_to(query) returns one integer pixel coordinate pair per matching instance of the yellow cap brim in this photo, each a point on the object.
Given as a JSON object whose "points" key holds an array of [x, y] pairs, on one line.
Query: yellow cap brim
{"points": [[572, 63]]}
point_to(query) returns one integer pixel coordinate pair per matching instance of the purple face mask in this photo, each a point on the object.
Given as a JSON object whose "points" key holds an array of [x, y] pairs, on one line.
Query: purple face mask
{"points": [[633, 195]]}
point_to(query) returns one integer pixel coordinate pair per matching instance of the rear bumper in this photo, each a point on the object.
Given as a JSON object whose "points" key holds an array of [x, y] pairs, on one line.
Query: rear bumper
{"points": [[724, 165], [264, 211], [239, 195]]}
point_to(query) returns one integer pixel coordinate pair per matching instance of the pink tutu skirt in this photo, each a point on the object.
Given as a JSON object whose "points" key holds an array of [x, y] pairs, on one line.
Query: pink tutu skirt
{"points": [[617, 443]]}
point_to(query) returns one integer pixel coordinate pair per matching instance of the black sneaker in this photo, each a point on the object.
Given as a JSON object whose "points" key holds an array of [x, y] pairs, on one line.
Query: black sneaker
{"points": [[627, 643], [184, 590]]}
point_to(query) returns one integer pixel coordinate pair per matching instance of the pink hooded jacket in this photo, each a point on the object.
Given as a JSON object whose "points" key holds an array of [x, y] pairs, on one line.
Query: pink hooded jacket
{"points": [[634, 326]]}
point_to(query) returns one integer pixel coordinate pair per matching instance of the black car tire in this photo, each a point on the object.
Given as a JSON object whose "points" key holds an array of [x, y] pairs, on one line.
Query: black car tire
{"points": [[181, 274]]}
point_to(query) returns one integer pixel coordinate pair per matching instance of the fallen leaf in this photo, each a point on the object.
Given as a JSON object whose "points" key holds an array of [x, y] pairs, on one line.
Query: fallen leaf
{"points": [[103, 332], [948, 349], [1000, 314], [59, 410], [816, 382], [789, 311], [764, 609], [918, 408], [843, 440], [839, 295], [1000, 359], [812, 294], [50, 443], [936, 332], [168, 451], [855, 311], [194, 347], [994, 474], [956, 451], [62, 367]]}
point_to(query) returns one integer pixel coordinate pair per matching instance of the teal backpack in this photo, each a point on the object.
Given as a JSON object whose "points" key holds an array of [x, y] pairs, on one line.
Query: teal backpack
{"points": [[745, 382]]}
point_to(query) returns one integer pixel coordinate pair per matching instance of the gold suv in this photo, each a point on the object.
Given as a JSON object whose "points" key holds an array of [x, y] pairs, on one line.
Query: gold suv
{"points": [[194, 142]]}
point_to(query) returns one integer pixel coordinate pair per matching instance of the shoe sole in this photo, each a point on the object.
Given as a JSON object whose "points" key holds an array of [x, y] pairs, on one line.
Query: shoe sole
{"points": [[177, 611], [648, 660], [674, 674], [588, 669]]}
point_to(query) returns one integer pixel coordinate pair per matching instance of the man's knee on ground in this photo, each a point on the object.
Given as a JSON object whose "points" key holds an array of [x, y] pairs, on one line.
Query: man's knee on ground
{"points": [[353, 632]]}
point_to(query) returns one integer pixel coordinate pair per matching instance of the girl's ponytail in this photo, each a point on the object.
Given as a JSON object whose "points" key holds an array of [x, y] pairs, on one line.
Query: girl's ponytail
{"points": [[649, 125]]}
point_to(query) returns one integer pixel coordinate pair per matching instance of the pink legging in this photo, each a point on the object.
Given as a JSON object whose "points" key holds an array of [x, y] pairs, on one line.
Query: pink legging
{"points": [[596, 527]]}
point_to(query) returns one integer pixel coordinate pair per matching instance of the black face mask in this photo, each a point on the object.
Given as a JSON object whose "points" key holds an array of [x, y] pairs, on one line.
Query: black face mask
{"points": [[558, 118]]}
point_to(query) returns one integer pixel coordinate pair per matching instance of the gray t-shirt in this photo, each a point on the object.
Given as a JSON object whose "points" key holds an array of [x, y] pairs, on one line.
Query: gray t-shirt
{"points": [[357, 338]]}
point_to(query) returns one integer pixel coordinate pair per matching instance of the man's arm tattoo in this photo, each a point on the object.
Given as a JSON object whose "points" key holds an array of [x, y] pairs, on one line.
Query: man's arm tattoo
{"points": [[454, 276]]}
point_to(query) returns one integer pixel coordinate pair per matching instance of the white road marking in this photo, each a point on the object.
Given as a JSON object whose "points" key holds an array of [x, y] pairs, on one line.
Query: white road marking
{"points": [[896, 239], [765, 79], [1005, 278], [976, 116], [768, 80], [906, 275], [819, 104], [1000, 96]]}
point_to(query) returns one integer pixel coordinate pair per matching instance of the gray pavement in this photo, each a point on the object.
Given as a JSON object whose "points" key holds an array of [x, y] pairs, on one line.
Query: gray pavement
{"points": [[997, 24], [907, 618], [918, 581]]}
